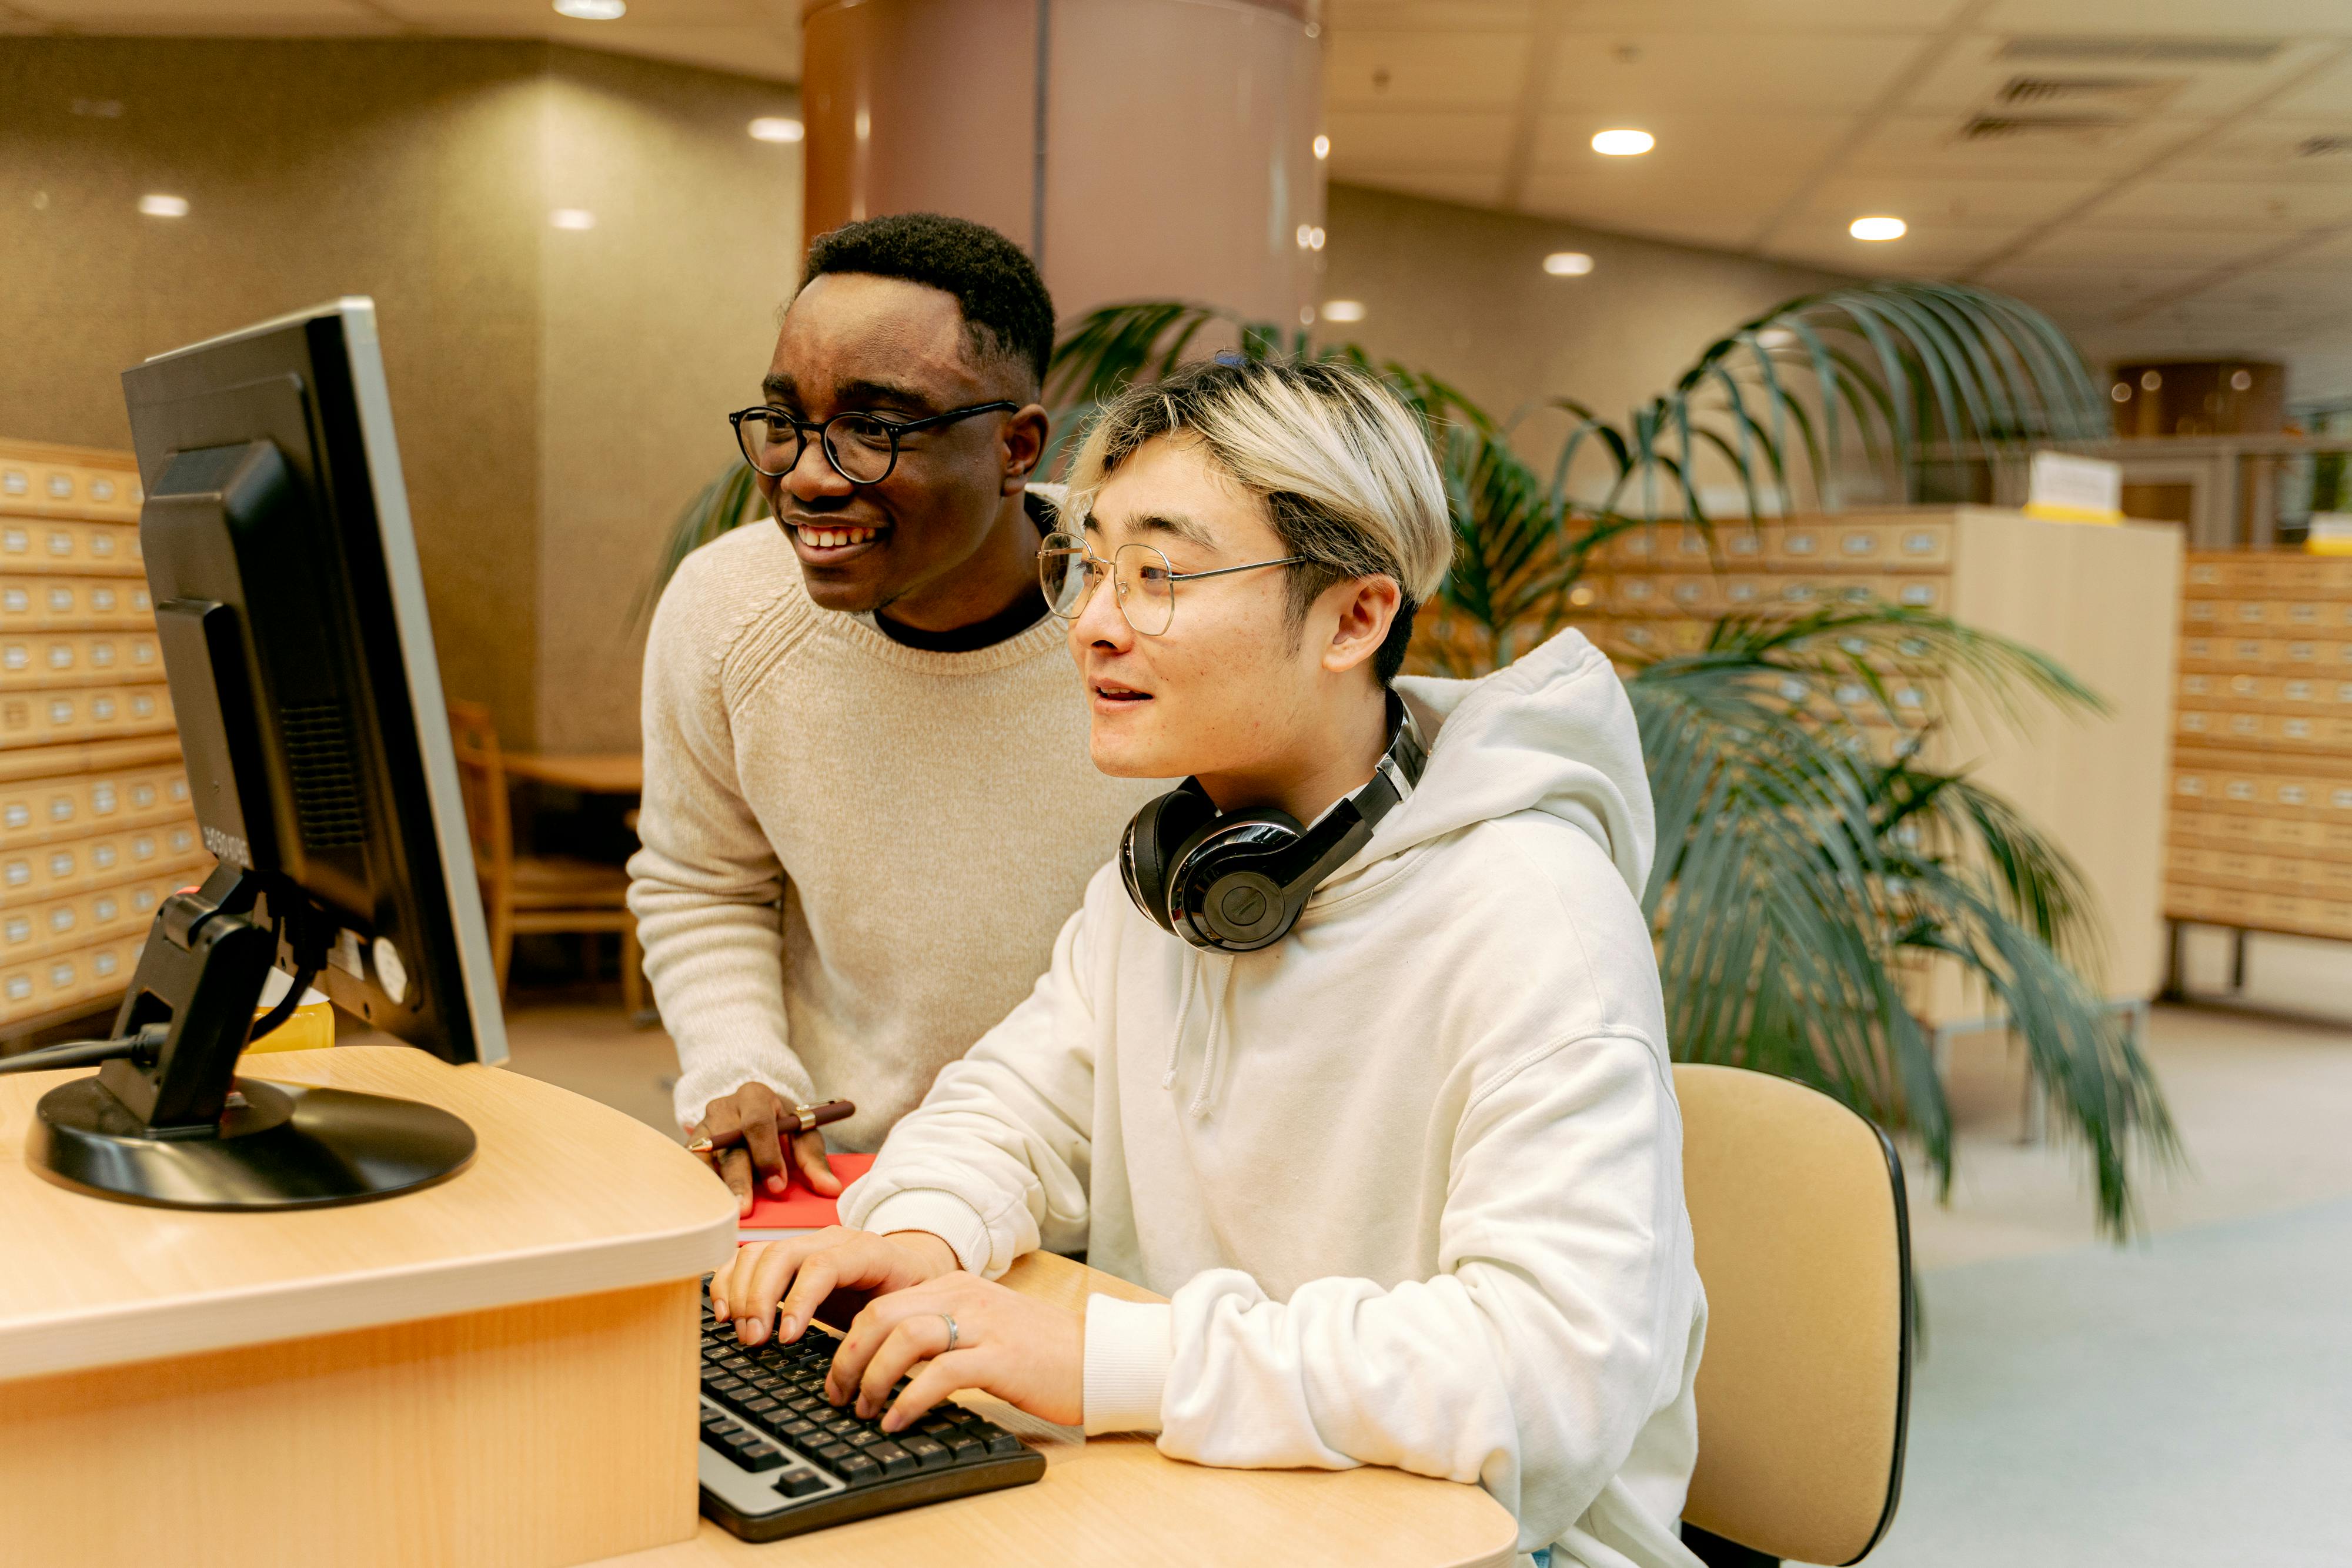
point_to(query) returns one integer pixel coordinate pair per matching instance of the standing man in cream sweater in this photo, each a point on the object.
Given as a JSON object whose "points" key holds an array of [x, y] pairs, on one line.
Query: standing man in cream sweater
{"points": [[869, 803]]}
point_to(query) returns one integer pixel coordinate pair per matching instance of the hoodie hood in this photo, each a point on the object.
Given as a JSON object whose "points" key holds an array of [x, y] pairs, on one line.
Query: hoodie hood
{"points": [[1552, 733]]}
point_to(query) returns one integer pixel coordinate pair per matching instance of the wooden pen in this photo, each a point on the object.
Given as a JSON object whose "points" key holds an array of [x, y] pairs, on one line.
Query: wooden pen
{"points": [[807, 1119]]}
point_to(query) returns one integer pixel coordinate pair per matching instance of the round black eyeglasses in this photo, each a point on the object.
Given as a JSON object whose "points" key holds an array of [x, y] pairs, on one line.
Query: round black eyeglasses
{"points": [[862, 447]]}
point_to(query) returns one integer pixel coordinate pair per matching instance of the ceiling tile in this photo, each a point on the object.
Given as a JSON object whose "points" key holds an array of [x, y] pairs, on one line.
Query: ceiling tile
{"points": [[1948, 204], [289, 18], [1425, 70], [1930, 144], [1970, 77], [1659, 74], [2161, 18], [1762, 16], [2272, 149], [2195, 247], [2274, 208], [1341, 17], [1363, 143], [1769, 150]]}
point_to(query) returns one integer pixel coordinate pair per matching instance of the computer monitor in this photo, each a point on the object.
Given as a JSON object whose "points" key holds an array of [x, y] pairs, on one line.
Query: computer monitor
{"points": [[290, 614]]}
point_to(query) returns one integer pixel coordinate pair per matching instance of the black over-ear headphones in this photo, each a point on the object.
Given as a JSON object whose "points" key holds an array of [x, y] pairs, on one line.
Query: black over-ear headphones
{"points": [[1236, 883]]}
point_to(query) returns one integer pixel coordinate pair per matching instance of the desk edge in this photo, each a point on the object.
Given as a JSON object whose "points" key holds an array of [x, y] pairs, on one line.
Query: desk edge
{"points": [[305, 1309]]}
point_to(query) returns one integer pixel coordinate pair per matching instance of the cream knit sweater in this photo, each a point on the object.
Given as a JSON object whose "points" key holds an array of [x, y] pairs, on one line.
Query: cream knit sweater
{"points": [[925, 820]]}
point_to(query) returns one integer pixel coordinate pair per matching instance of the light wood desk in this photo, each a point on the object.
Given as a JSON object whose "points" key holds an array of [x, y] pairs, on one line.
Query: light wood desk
{"points": [[501, 1370], [1117, 1500]]}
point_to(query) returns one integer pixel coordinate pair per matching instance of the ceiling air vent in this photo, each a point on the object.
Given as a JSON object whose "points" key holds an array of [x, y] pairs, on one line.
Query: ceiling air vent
{"points": [[2118, 97], [2081, 130], [2145, 51]]}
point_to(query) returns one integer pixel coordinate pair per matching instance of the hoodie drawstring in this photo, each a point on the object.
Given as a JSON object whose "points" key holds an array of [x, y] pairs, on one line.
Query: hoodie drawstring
{"points": [[1186, 974], [1212, 1058]]}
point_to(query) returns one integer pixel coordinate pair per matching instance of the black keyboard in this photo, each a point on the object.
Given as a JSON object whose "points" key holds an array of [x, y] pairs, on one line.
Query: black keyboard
{"points": [[777, 1460]]}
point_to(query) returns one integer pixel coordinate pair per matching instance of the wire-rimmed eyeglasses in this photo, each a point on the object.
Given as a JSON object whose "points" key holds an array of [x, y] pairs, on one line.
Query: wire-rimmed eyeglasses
{"points": [[1143, 582], [862, 447]]}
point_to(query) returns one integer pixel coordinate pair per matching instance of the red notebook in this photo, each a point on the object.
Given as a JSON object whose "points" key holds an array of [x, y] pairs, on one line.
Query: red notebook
{"points": [[774, 1218]]}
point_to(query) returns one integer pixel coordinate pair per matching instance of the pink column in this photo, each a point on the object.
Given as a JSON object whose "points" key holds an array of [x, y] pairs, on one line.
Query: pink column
{"points": [[1140, 148]]}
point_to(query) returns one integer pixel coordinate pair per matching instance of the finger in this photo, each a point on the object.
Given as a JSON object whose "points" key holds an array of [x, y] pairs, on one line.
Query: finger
{"points": [[873, 1325], [722, 1122], [808, 1155], [811, 1285], [723, 1278], [917, 1338], [767, 1154], [759, 1284], [735, 1170], [938, 1378]]}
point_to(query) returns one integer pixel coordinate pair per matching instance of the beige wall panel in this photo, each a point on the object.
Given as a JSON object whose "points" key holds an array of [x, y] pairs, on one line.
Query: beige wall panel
{"points": [[557, 394], [656, 322], [1461, 292]]}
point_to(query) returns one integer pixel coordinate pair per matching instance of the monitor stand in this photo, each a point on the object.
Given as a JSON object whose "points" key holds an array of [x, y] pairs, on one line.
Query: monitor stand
{"points": [[171, 1124]]}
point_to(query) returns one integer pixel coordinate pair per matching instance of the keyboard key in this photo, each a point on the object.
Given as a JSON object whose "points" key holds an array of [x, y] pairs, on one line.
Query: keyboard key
{"points": [[864, 1438], [799, 1483], [806, 1406], [1000, 1441], [799, 1426], [836, 1453], [761, 1405], [966, 1448], [859, 1470], [843, 1425], [929, 1452], [895, 1459], [759, 1456]]}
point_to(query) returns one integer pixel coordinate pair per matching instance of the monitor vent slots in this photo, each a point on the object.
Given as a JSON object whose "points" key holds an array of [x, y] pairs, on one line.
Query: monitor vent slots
{"points": [[326, 796]]}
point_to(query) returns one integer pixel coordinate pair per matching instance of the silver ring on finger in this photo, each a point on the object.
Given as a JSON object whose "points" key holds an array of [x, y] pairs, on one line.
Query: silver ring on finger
{"points": [[954, 1336]]}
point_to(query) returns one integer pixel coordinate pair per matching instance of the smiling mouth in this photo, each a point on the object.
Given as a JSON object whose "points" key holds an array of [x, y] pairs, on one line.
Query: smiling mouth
{"points": [[818, 536]]}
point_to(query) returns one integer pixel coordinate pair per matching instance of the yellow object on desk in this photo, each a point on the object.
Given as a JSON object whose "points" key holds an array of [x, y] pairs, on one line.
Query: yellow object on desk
{"points": [[311, 1028]]}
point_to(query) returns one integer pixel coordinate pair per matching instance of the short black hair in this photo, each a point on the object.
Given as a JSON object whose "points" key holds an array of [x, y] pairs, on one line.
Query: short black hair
{"points": [[1006, 311]]}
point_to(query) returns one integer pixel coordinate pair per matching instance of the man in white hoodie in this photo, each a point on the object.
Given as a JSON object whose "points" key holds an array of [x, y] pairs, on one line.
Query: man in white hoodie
{"points": [[1382, 1102]]}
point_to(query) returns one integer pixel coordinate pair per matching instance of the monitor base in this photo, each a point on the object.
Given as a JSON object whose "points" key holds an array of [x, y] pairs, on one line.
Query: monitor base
{"points": [[286, 1145]]}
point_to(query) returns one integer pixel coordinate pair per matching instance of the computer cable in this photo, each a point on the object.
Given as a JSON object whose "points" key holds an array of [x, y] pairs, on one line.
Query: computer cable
{"points": [[142, 1048]]}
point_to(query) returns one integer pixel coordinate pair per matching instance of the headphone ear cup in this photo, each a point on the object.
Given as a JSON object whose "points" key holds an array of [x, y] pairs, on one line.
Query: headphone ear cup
{"points": [[1148, 847], [1225, 903]]}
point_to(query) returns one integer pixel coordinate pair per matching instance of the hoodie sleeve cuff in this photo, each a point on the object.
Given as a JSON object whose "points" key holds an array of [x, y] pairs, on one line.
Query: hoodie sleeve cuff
{"points": [[943, 1214], [1129, 1347]]}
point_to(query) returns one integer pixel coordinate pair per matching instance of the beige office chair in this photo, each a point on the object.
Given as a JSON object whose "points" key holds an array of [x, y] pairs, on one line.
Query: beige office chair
{"points": [[1803, 1243]]}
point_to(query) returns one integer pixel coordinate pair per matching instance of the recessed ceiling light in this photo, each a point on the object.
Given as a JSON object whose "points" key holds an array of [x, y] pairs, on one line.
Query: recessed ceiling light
{"points": [[1877, 228], [572, 218], [1567, 264], [776, 128], [161, 206], [593, 10], [2120, 391], [1322, 147], [1623, 143], [2241, 381], [1343, 309]]}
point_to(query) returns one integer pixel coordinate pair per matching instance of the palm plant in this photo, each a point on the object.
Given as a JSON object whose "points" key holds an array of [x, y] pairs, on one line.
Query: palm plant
{"points": [[1807, 869]]}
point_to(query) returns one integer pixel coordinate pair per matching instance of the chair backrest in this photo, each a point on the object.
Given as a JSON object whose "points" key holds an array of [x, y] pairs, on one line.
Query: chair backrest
{"points": [[482, 781], [1804, 1245]]}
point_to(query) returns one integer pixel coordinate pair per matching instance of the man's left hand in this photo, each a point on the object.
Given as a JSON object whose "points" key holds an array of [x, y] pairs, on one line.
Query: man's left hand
{"points": [[1031, 1355]]}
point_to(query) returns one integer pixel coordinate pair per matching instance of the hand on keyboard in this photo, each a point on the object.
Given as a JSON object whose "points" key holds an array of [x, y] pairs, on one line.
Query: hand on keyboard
{"points": [[1028, 1353], [803, 1271]]}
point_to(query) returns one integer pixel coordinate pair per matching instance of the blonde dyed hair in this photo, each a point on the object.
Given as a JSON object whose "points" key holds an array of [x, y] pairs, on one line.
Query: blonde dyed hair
{"points": [[1342, 464]]}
